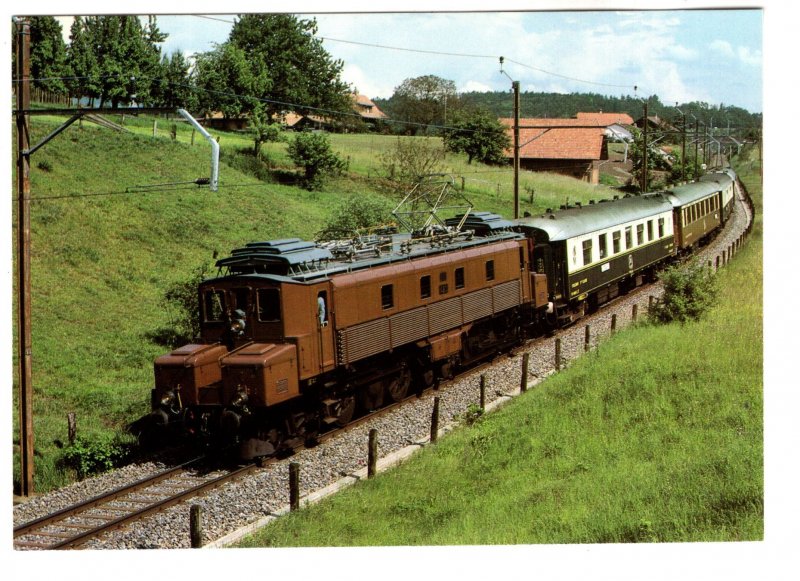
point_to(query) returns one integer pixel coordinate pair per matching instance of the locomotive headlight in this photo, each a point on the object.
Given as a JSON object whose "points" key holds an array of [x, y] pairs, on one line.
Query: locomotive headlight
{"points": [[169, 399], [240, 400]]}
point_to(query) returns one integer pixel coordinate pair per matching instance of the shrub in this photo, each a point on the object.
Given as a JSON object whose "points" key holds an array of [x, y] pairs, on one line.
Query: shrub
{"points": [[689, 291], [312, 152], [184, 308], [92, 457], [355, 214]]}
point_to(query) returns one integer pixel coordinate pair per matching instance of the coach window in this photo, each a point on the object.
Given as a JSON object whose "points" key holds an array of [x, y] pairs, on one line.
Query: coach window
{"points": [[214, 305], [425, 287], [269, 305], [387, 296], [602, 243], [639, 234], [490, 270], [649, 230], [587, 252], [615, 238], [459, 276], [661, 227], [628, 237]]}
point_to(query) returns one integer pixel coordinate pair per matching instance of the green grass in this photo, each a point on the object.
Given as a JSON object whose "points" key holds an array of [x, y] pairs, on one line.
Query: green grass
{"points": [[113, 228], [657, 436]]}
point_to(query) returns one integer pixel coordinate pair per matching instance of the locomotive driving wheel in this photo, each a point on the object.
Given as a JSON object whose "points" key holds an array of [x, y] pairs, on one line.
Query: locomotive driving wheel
{"points": [[397, 387]]}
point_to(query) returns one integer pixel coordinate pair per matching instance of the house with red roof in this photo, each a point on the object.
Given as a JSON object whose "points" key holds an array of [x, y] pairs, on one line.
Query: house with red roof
{"points": [[574, 147]]}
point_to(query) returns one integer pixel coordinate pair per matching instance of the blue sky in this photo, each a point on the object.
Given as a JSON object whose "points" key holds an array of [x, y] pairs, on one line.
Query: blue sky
{"points": [[681, 55]]}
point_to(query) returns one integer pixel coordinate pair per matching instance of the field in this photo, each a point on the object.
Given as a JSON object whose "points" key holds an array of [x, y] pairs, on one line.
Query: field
{"points": [[657, 436], [115, 223]]}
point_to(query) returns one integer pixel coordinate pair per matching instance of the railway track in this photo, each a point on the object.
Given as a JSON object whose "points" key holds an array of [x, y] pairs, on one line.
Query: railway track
{"points": [[78, 524]]}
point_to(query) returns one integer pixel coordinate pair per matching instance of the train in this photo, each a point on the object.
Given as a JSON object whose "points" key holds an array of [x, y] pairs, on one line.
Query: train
{"points": [[299, 337]]}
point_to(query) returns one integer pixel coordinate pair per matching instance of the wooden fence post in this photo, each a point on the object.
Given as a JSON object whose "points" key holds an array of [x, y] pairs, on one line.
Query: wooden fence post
{"points": [[558, 354], [634, 312], [155, 127], [435, 420], [614, 323], [587, 338], [523, 381], [196, 526], [483, 392], [372, 456], [650, 302], [294, 486], [72, 428]]}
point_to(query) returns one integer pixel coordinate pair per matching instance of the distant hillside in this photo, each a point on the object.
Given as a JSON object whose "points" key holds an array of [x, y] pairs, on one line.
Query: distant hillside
{"points": [[550, 105]]}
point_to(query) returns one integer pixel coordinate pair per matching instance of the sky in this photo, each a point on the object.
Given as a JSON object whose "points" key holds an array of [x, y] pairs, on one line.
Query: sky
{"points": [[712, 56]]}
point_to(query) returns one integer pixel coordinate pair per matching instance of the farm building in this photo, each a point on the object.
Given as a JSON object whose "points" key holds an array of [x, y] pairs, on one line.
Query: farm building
{"points": [[573, 147]]}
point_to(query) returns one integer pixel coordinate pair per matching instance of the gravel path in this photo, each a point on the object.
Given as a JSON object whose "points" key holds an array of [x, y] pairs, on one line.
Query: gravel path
{"points": [[237, 504]]}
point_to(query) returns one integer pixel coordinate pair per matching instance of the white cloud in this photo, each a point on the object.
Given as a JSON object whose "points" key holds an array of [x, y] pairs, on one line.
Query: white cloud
{"points": [[749, 57], [722, 47], [474, 86]]}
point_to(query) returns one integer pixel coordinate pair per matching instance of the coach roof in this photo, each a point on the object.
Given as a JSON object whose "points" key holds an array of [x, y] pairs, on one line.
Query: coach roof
{"points": [[577, 221]]}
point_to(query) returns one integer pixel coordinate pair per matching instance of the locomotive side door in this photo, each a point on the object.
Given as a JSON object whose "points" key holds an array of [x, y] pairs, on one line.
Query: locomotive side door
{"points": [[325, 328]]}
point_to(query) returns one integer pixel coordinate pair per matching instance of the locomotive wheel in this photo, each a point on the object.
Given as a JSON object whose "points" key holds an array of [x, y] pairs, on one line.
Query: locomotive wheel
{"points": [[344, 410], [397, 387]]}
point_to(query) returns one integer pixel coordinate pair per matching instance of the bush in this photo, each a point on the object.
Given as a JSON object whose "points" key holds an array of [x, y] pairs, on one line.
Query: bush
{"points": [[182, 299], [312, 152], [689, 291], [92, 457], [355, 214]]}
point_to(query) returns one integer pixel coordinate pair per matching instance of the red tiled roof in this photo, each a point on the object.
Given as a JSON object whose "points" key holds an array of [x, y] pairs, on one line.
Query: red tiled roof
{"points": [[557, 138], [366, 108], [607, 118]]}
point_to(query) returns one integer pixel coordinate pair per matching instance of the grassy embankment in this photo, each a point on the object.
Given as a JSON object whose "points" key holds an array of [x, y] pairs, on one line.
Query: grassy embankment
{"points": [[655, 436], [104, 252]]}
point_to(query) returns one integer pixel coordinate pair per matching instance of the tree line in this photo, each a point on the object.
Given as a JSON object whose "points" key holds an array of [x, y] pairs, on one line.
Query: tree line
{"points": [[270, 63]]}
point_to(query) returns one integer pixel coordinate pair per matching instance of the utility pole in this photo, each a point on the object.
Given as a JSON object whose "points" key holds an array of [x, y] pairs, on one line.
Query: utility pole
{"points": [[515, 88], [24, 258], [683, 143], [644, 155]]}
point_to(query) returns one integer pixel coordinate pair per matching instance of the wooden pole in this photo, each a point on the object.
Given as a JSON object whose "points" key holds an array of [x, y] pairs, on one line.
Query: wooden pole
{"points": [[435, 420], [72, 428], [294, 486], [196, 526], [25, 344], [483, 392], [558, 354], [523, 382], [587, 338], [634, 312], [614, 323], [372, 455]]}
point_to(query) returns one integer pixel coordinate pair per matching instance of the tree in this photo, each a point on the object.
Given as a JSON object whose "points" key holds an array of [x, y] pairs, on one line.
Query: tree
{"points": [[114, 58], [412, 159], [82, 59], [48, 54], [172, 86], [423, 101], [273, 60], [312, 152], [689, 292], [228, 81], [480, 135]]}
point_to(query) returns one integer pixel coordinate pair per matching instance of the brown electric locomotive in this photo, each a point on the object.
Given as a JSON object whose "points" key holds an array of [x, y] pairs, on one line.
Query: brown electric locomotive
{"points": [[297, 336]]}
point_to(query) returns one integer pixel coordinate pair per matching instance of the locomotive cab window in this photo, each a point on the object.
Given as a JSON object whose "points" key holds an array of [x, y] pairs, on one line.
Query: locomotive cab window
{"points": [[490, 270], [459, 276], [269, 305], [213, 306], [425, 287], [387, 296]]}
